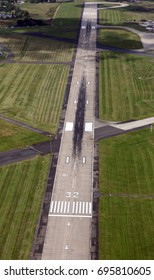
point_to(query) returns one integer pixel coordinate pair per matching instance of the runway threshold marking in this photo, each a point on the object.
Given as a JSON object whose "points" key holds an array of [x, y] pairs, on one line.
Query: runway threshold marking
{"points": [[70, 216], [70, 207]]}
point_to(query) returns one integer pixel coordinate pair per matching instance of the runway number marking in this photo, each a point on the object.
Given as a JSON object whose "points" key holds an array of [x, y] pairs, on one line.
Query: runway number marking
{"points": [[72, 194]]}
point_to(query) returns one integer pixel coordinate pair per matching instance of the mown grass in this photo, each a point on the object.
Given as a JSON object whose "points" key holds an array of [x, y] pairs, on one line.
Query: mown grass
{"points": [[13, 136], [119, 38], [42, 11], [29, 48], [22, 187], [65, 23], [126, 167], [128, 94], [126, 229], [124, 16], [33, 93], [127, 163]]}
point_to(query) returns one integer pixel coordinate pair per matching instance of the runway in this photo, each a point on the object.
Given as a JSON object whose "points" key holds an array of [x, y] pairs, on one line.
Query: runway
{"points": [[68, 234]]}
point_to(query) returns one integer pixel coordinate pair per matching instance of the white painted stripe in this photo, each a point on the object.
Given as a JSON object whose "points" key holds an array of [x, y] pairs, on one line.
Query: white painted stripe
{"points": [[73, 183], [76, 210], [83, 204], [68, 206], [55, 206], [73, 207], [90, 208], [71, 216], [80, 207], [84, 160], [88, 127], [86, 207], [65, 204], [67, 160], [61, 209], [69, 126], [51, 207], [58, 206]]}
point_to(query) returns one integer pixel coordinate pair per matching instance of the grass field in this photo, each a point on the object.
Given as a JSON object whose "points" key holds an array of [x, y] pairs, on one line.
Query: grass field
{"points": [[28, 48], [124, 16], [22, 188], [65, 24], [126, 168], [129, 93], [126, 229], [119, 38], [42, 11], [34, 93], [13, 136]]}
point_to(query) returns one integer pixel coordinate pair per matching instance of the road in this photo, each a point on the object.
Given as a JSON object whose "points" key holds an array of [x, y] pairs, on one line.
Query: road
{"points": [[68, 234]]}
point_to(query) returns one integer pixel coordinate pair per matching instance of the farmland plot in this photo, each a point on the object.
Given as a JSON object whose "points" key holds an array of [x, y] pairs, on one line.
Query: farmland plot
{"points": [[33, 93], [129, 93]]}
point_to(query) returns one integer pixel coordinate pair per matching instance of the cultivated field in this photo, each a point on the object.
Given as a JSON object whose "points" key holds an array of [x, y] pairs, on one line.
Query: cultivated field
{"points": [[129, 93], [34, 93], [119, 38], [126, 214], [13, 136], [22, 187]]}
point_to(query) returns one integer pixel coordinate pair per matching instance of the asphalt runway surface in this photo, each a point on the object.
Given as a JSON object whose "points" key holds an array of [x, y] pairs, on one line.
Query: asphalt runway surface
{"points": [[71, 201]]}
